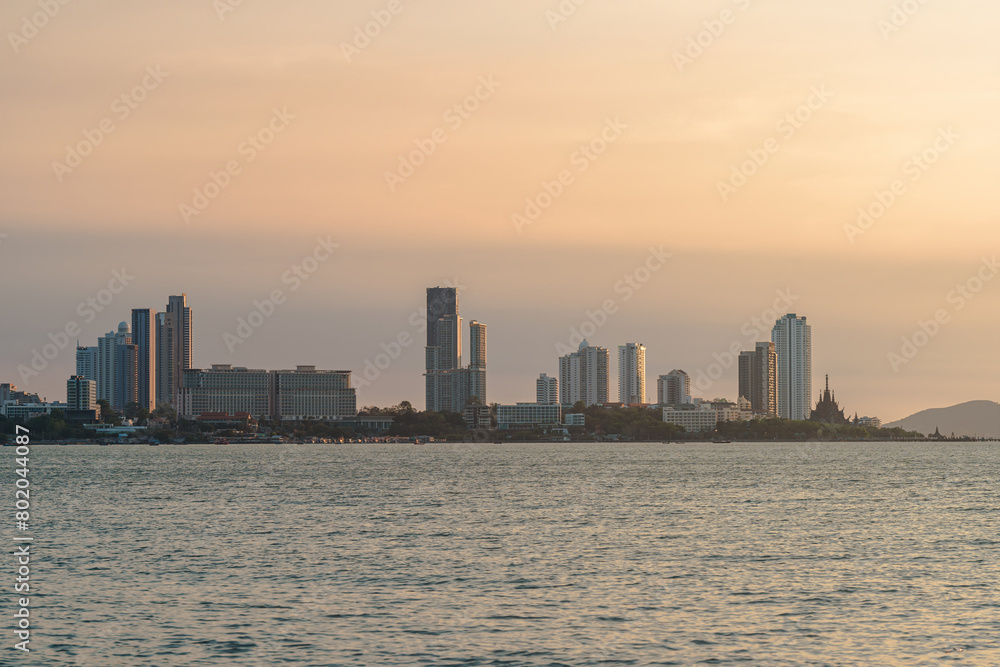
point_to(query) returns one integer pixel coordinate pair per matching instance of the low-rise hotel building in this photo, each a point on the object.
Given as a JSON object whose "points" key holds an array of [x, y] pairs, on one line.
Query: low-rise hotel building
{"points": [[300, 395], [528, 415], [308, 394], [693, 421]]}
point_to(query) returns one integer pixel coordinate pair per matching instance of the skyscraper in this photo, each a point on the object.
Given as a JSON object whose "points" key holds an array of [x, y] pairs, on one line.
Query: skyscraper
{"points": [[476, 373], [448, 385], [583, 376], [86, 362], [792, 339], [546, 390], [443, 353], [758, 378], [174, 332], [126, 390], [144, 325], [116, 368], [477, 345], [632, 374], [105, 366], [674, 388], [745, 367], [162, 357]]}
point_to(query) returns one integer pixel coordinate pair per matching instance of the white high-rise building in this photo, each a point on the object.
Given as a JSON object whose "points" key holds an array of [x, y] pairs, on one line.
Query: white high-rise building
{"points": [[86, 362], [109, 375], [674, 388], [106, 366], [546, 390], [792, 339], [583, 376], [569, 381], [632, 374]]}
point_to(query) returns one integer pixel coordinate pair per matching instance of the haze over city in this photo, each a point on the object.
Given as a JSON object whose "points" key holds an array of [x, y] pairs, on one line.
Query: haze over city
{"points": [[607, 110]]}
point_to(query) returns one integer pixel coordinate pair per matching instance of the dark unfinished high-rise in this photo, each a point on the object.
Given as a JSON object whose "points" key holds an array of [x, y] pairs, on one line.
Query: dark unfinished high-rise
{"points": [[759, 378]]}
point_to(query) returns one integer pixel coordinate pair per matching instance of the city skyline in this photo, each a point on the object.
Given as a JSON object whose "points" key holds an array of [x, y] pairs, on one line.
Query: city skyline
{"points": [[775, 377], [473, 375]]}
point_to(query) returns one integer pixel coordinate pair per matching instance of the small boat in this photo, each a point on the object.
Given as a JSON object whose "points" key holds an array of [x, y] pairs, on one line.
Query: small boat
{"points": [[722, 442]]}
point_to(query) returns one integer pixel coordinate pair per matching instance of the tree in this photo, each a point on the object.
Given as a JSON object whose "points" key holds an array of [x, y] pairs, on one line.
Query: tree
{"points": [[136, 413], [108, 416], [404, 408], [165, 411]]}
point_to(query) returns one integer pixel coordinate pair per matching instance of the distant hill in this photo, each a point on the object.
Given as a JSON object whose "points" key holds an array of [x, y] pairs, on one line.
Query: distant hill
{"points": [[975, 418]]}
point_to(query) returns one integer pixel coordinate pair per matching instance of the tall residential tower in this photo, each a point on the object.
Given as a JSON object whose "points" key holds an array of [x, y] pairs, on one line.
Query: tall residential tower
{"points": [[144, 338], [116, 368], [792, 339], [547, 390], [674, 388], [632, 374], [583, 376], [173, 348]]}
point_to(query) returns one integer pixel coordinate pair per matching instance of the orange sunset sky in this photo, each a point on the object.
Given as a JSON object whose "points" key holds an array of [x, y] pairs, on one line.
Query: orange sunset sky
{"points": [[892, 106]]}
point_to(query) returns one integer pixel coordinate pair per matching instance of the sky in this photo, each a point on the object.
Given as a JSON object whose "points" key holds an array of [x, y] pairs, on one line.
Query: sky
{"points": [[835, 160]]}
